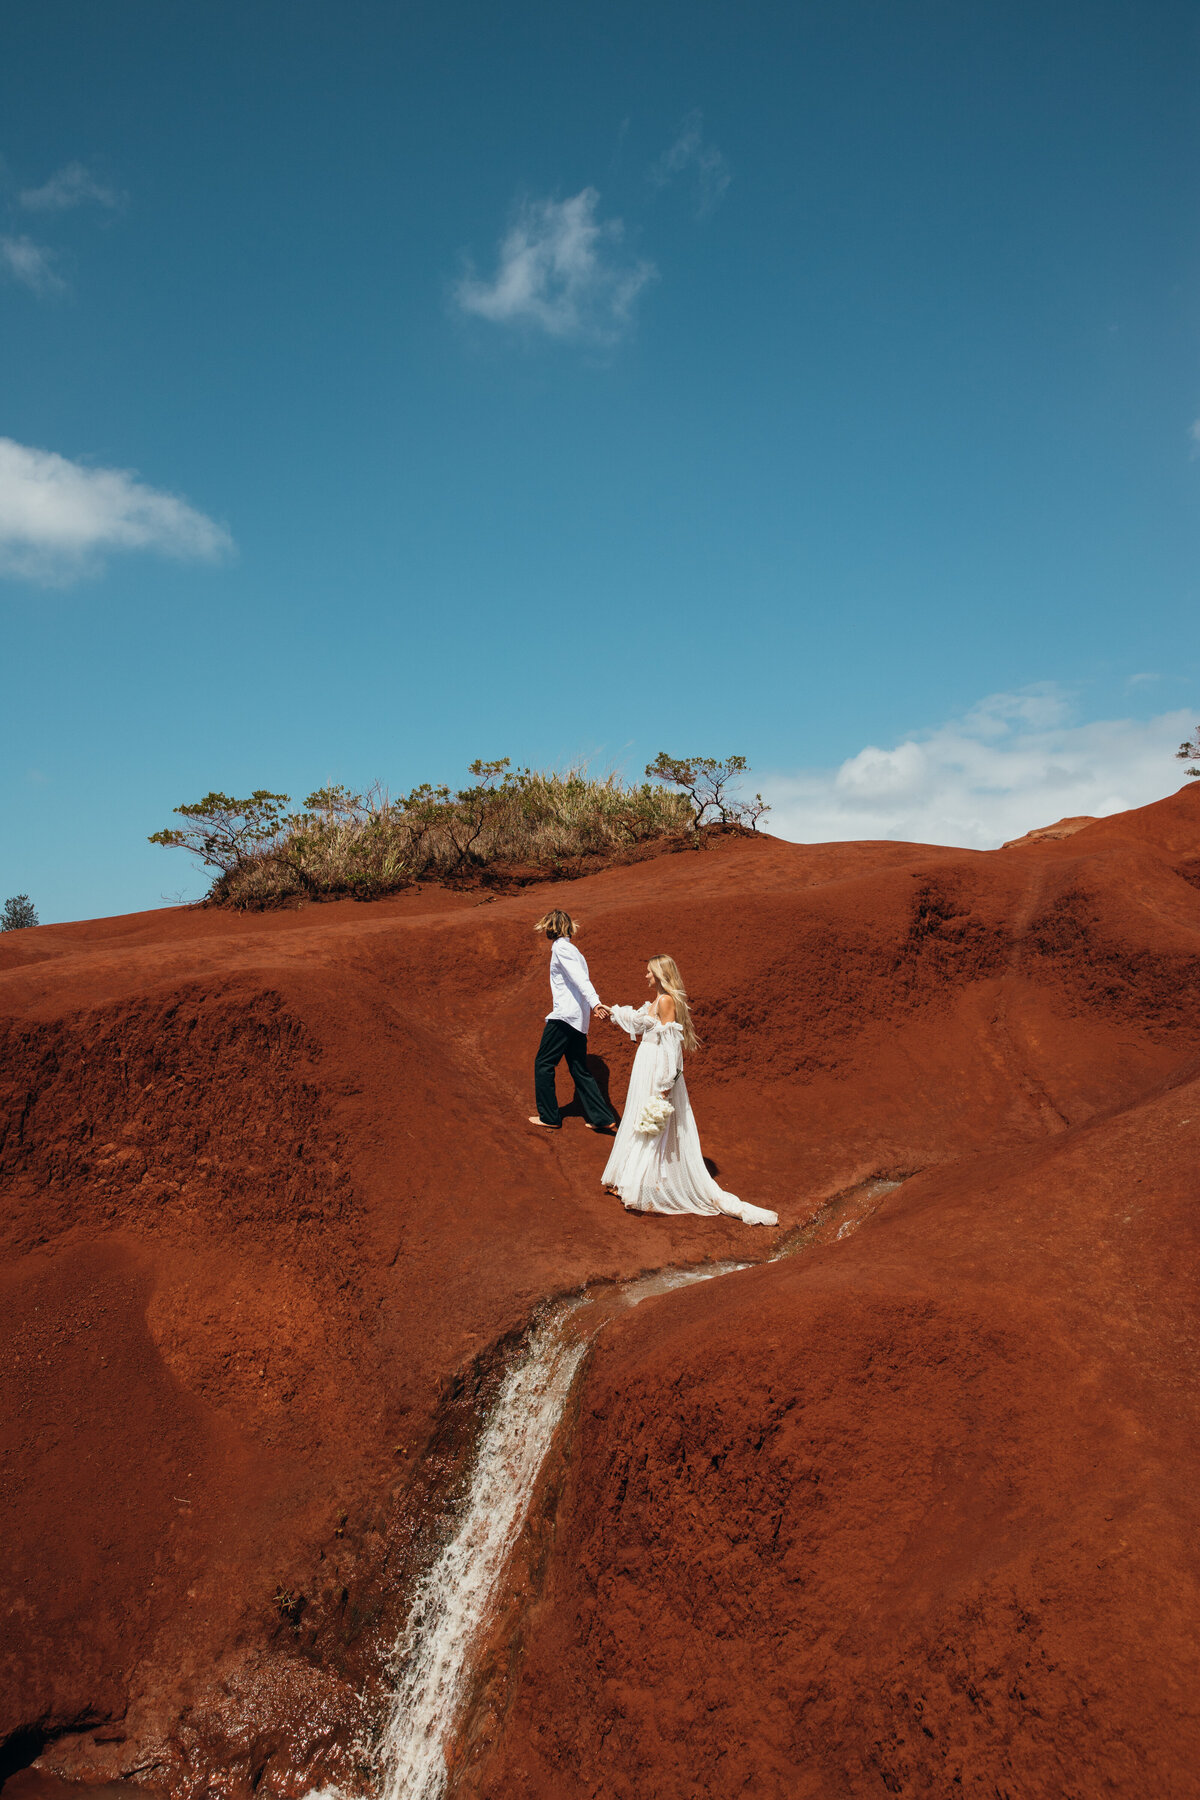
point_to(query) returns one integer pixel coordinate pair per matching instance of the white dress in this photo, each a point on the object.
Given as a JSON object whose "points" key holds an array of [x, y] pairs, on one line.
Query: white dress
{"points": [[665, 1174]]}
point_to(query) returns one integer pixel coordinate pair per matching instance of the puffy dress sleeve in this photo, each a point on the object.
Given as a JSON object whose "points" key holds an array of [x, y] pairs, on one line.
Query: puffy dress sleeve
{"points": [[636, 1021], [670, 1056]]}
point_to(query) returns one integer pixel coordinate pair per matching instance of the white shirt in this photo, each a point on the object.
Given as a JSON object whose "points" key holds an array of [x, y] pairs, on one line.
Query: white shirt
{"points": [[570, 986]]}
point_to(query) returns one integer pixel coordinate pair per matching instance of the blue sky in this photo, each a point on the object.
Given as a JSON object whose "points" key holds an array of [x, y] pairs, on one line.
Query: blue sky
{"points": [[390, 385]]}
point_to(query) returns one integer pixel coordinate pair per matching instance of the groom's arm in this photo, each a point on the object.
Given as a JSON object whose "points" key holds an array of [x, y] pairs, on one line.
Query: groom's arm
{"points": [[581, 981]]}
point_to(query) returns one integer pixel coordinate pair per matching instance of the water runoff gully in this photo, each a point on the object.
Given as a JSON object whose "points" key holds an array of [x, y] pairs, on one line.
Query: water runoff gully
{"points": [[455, 1598]]}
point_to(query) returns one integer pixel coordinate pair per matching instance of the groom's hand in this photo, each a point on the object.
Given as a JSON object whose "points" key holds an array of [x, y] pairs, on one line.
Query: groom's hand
{"points": [[601, 1012]]}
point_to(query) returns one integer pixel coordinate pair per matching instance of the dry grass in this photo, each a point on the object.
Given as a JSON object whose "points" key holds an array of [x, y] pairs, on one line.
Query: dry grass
{"points": [[509, 828]]}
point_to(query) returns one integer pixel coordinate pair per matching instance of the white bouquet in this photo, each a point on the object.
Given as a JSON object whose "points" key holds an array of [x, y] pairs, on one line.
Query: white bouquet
{"points": [[655, 1115]]}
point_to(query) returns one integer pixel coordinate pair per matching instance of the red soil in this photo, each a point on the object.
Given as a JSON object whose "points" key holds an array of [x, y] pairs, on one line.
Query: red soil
{"points": [[1062, 828], [912, 1511]]}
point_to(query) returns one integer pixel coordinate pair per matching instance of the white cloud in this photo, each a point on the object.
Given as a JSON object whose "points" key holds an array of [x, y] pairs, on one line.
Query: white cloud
{"points": [[72, 185], [1011, 764], [31, 264], [561, 272], [689, 151], [58, 518]]}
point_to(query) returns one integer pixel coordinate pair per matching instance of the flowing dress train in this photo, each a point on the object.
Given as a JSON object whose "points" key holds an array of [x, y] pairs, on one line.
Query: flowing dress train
{"points": [[665, 1174]]}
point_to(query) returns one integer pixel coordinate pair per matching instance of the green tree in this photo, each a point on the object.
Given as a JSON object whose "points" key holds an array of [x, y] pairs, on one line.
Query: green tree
{"points": [[19, 913], [465, 816], [225, 833], [707, 781], [336, 802], [1190, 749]]}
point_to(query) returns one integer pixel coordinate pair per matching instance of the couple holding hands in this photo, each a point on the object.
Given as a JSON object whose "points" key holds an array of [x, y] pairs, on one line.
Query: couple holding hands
{"points": [[656, 1163]]}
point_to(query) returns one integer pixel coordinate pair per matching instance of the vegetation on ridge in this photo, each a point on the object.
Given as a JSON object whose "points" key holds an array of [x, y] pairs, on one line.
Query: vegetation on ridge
{"points": [[1189, 750], [508, 825], [19, 913]]}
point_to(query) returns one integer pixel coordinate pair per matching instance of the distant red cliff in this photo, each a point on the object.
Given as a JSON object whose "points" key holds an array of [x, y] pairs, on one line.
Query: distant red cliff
{"points": [[911, 1510]]}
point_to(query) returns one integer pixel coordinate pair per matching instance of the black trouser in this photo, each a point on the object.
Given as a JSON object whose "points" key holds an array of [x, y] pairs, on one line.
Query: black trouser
{"points": [[559, 1040]]}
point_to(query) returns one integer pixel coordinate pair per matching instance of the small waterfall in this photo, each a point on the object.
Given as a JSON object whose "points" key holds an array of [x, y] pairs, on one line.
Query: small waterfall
{"points": [[454, 1597]]}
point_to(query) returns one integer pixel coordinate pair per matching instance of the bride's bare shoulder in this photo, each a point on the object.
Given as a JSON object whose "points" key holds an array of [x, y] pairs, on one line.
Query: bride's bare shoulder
{"points": [[665, 1009]]}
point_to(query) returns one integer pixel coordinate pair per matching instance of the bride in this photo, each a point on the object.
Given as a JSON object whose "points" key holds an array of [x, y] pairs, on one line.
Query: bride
{"points": [[662, 1170]]}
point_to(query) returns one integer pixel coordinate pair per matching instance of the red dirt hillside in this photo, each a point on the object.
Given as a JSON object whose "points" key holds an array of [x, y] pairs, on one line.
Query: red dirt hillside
{"points": [[911, 1510]]}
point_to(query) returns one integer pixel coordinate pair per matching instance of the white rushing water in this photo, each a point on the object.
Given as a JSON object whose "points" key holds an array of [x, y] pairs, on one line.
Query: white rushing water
{"points": [[454, 1598]]}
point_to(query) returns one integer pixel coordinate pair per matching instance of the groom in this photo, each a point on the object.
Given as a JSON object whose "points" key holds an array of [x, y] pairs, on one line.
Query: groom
{"points": [[565, 1034]]}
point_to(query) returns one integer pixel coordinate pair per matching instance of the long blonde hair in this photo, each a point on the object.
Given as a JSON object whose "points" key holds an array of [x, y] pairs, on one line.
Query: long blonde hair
{"points": [[666, 972]]}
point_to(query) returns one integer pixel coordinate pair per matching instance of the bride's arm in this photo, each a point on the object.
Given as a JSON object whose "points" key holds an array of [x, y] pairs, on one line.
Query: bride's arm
{"points": [[634, 1022], [670, 1061]]}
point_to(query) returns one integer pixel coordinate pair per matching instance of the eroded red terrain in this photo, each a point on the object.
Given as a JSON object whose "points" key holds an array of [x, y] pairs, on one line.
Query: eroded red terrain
{"points": [[912, 1511]]}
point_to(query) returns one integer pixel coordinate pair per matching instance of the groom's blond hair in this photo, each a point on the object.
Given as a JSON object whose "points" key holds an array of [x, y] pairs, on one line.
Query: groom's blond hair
{"points": [[556, 924]]}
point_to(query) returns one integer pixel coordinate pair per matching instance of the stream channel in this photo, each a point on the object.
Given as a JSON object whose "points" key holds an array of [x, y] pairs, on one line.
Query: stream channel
{"points": [[434, 1658], [454, 1599]]}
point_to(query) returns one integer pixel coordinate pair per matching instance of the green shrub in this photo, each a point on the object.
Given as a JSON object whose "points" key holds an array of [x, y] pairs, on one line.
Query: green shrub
{"points": [[1189, 749]]}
